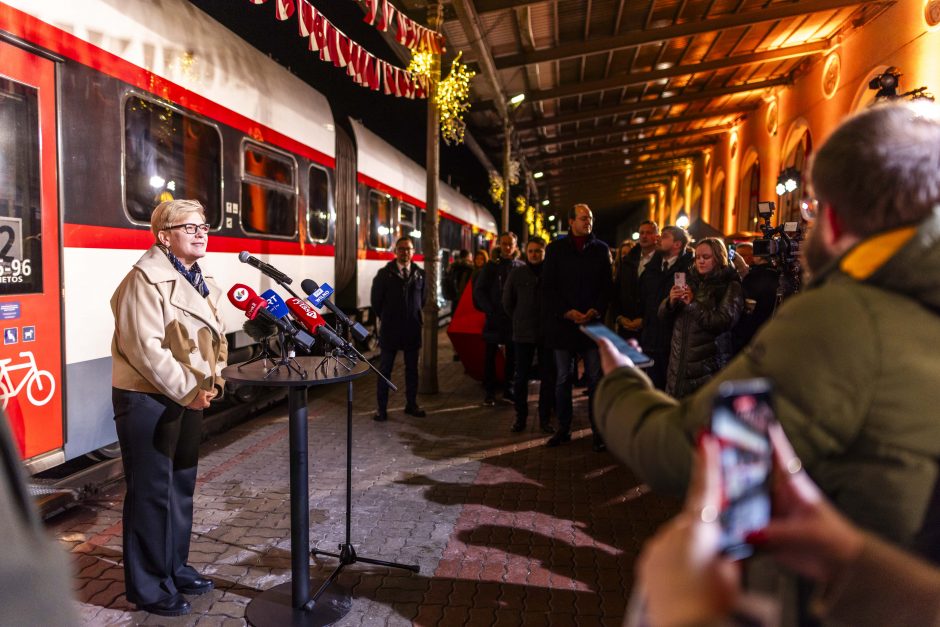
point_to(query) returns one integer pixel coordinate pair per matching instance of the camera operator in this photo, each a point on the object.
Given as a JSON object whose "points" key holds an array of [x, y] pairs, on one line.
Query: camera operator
{"points": [[853, 358]]}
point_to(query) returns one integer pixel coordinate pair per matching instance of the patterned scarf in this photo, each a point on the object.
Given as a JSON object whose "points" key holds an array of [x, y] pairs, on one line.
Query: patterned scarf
{"points": [[193, 275]]}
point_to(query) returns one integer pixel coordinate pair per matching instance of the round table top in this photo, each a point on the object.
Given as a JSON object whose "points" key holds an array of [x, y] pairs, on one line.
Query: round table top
{"points": [[333, 372]]}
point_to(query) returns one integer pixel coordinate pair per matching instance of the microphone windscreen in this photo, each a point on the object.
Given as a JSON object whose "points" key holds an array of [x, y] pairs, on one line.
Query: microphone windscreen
{"points": [[241, 295], [259, 329], [309, 286], [243, 256]]}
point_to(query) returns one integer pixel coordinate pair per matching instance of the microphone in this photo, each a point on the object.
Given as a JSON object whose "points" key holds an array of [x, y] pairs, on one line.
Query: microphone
{"points": [[320, 296], [265, 268], [246, 299], [259, 330], [312, 321]]}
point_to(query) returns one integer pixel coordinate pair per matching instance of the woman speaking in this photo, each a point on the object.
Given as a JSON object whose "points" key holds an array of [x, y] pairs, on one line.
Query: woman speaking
{"points": [[168, 350]]}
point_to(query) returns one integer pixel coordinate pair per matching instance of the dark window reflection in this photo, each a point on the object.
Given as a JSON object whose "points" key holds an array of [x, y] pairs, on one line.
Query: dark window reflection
{"points": [[269, 199]]}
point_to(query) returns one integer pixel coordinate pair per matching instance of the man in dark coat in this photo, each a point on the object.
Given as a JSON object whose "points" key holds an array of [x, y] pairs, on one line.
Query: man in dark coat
{"points": [[398, 293], [488, 298], [760, 286], [576, 287], [521, 300], [629, 312], [656, 334]]}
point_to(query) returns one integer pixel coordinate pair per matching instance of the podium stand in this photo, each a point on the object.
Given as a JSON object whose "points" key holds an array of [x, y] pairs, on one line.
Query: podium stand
{"points": [[289, 603]]}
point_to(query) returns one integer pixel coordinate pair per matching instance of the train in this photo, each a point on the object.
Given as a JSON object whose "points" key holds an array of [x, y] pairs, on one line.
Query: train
{"points": [[108, 108]]}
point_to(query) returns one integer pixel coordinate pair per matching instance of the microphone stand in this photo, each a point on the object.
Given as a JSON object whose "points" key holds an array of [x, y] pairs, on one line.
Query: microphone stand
{"points": [[286, 358], [349, 344], [265, 353]]}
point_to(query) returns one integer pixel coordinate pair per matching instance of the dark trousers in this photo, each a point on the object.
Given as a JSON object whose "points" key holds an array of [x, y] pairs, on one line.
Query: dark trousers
{"points": [[524, 354], [160, 449], [565, 376], [386, 363], [658, 371], [489, 368]]}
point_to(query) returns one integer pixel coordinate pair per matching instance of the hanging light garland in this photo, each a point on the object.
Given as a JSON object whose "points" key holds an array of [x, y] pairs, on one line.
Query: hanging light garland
{"points": [[453, 101], [497, 189], [520, 204], [453, 93]]}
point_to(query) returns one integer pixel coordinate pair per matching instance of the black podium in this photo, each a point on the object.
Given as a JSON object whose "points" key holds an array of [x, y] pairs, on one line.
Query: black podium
{"points": [[290, 603]]}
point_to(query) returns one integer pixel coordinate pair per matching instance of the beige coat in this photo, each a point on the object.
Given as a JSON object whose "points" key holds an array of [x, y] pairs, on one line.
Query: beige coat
{"points": [[168, 339]]}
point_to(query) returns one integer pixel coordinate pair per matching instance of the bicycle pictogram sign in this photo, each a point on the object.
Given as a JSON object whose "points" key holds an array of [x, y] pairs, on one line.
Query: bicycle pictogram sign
{"points": [[40, 384]]}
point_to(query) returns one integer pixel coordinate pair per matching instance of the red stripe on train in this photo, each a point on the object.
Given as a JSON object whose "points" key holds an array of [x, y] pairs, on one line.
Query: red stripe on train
{"points": [[36, 31], [88, 236]]}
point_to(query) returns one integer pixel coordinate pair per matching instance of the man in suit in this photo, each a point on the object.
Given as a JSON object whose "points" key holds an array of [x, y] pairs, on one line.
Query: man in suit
{"points": [[398, 293]]}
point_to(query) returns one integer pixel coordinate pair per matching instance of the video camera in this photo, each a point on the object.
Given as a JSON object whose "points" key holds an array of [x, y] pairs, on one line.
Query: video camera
{"points": [[780, 245]]}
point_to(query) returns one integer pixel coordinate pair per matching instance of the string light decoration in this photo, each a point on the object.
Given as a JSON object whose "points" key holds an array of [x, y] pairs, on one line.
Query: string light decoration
{"points": [[453, 101], [497, 189], [520, 204], [420, 64]]}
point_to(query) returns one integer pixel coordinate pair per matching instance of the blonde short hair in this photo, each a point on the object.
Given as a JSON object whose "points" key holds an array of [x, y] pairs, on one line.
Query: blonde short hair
{"points": [[169, 211]]}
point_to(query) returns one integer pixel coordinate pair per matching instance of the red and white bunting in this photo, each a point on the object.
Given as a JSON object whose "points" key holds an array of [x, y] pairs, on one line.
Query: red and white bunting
{"points": [[371, 9], [283, 9], [305, 15]]}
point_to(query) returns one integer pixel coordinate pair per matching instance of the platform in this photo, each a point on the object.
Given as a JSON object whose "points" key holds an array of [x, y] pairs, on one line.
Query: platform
{"points": [[506, 531]]}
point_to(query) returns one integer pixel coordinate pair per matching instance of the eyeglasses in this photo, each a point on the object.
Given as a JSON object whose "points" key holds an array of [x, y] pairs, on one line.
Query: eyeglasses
{"points": [[403, 249], [189, 228]]}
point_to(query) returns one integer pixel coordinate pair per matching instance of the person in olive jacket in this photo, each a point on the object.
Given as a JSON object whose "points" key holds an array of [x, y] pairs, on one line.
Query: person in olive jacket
{"points": [[398, 293], [521, 301], [853, 358], [576, 288], [704, 309]]}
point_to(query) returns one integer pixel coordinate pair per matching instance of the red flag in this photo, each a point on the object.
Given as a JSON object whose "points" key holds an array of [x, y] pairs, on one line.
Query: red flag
{"points": [[305, 18], [404, 86], [332, 44], [384, 19], [399, 27], [342, 45], [283, 9], [321, 27], [375, 81], [388, 76], [371, 6]]}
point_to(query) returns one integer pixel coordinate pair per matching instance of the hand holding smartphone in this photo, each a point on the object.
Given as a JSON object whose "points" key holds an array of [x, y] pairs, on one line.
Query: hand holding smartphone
{"points": [[741, 413], [597, 330], [679, 279]]}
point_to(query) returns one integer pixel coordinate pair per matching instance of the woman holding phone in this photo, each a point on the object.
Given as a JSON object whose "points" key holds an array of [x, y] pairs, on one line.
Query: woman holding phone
{"points": [[705, 305]]}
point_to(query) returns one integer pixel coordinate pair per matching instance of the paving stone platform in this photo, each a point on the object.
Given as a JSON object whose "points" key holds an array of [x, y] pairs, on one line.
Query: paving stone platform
{"points": [[506, 531]]}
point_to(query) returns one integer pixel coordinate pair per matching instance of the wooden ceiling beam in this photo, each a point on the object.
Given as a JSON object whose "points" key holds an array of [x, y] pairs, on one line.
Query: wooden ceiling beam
{"points": [[637, 37], [542, 160], [531, 148]]}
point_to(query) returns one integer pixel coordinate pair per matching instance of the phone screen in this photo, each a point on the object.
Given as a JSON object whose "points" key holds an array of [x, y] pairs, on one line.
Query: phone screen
{"points": [[742, 412], [595, 330], [679, 278]]}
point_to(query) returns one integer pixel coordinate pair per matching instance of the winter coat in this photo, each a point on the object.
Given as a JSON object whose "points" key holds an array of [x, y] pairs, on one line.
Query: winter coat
{"points": [[573, 279], [701, 334], [854, 365], [398, 304], [168, 339], [488, 298], [654, 286], [459, 276], [760, 285], [521, 301], [627, 289]]}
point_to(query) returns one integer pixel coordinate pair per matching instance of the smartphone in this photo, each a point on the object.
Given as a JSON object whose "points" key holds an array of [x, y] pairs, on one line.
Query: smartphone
{"points": [[741, 413], [679, 278], [595, 330]]}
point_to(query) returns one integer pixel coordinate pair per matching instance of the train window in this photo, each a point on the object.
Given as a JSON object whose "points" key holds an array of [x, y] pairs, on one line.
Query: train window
{"points": [[318, 208], [269, 196], [466, 237], [408, 224], [380, 220], [167, 155], [20, 209]]}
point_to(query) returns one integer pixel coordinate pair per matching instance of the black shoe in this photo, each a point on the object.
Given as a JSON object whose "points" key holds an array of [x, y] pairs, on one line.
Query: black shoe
{"points": [[175, 605], [415, 411], [489, 401], [546, 427], [379, 417], [517, 426], [558, 438], [198, 586]]}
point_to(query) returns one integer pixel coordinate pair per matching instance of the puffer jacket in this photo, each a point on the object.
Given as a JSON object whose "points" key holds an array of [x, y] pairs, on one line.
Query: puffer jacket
{"points": [[854, 364], [488, 298], [701, 336], [168, 339]]}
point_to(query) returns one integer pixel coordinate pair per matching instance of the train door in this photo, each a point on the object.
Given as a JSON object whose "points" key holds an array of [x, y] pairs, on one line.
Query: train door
{"points": [[30, 303]]}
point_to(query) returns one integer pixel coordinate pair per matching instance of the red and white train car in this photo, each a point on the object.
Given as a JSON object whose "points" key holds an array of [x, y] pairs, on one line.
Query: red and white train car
{"points": [[108, 108]]}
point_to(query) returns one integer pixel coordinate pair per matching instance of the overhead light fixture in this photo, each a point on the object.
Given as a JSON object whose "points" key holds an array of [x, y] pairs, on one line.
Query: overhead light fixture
{"points": [[538, 175], [546, 202], [683, 220], [788, 181], [635, 236], [551, 218], [517, 99]]}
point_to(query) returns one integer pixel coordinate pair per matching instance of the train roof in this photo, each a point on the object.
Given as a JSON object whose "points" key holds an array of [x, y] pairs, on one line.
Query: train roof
{"points": [[380, 161], [178, 42]]}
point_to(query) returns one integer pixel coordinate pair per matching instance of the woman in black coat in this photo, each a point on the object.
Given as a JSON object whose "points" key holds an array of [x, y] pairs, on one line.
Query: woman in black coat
{"points": [[704, 310]]}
